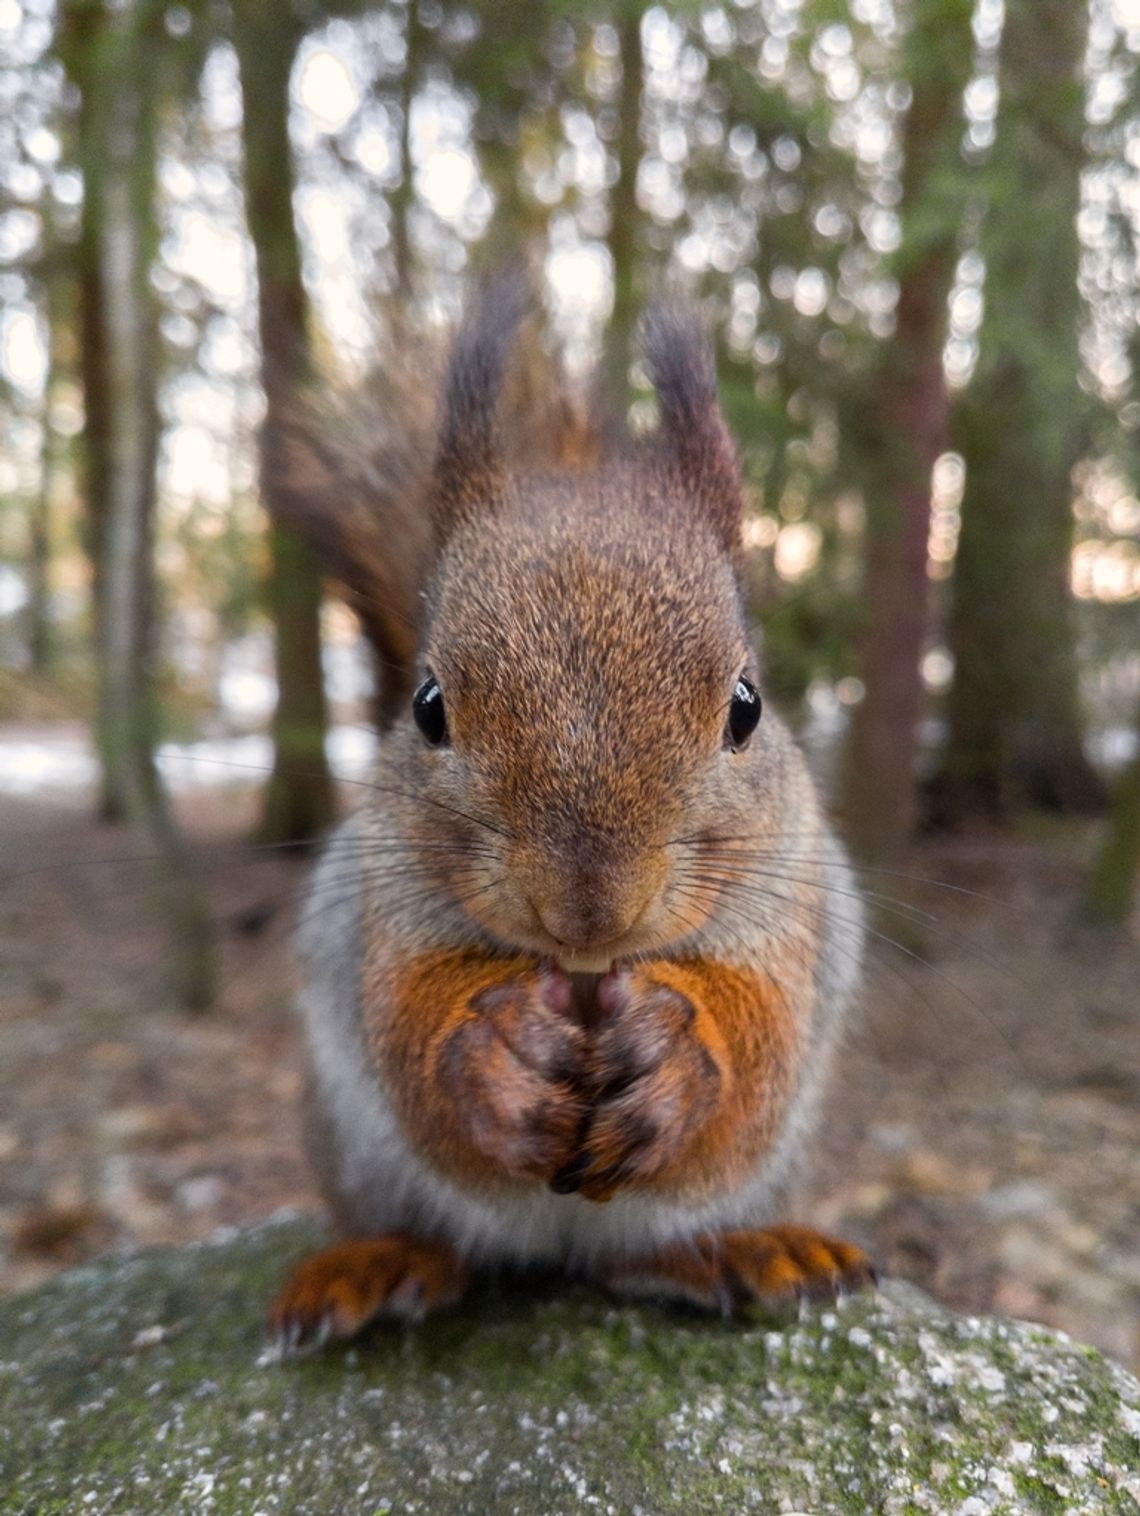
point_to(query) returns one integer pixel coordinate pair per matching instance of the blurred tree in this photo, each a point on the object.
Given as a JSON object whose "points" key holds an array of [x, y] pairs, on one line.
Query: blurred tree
{"points": [[83, 47], [896, 417], [57, 282], [127, 85], [402, 199], [1111, 891], [1014, 713], [171, 56], [38, 615], [626, 255], [517, 77], [299, 799], [778, 192], [780, 149]]}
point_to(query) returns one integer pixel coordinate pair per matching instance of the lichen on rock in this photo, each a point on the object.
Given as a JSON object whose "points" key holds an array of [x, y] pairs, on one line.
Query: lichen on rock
{"points": [[132, 1387]]}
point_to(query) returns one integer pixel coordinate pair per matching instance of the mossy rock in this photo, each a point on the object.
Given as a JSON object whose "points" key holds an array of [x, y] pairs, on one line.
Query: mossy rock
{"points": [[133, 1387]]}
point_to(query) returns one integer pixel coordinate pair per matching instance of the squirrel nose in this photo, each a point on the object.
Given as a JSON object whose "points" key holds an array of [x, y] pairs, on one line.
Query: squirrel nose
{"points": [[586, 898], [585, 922], [588, 912]]}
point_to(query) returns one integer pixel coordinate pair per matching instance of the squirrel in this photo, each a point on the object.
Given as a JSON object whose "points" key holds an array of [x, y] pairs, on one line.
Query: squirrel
{"points": [[575, 969]]}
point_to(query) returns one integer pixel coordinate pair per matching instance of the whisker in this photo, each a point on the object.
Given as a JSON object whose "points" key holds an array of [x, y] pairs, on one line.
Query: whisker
{"points": [[938, 884], [887, 903], [767, 894], [851, 946], [249, 853], [368, 784], [742, 869], [830, 854]]}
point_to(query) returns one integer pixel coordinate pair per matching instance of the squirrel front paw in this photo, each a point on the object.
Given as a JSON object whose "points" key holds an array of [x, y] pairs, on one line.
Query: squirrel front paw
{"points": [[653, 1086], [335, 1293], [514, 1070]]}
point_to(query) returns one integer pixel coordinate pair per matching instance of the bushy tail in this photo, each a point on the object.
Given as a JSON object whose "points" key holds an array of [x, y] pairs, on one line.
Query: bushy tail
{"points": [[358, 479], [356, 468]]}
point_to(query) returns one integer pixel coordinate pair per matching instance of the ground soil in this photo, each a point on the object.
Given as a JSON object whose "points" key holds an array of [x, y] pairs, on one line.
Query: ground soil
{"points": [[982, 1138]]}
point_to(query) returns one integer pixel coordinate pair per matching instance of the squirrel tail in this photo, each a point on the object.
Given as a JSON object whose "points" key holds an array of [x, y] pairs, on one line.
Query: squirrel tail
{"points": [[354, 474], [358, 477]]}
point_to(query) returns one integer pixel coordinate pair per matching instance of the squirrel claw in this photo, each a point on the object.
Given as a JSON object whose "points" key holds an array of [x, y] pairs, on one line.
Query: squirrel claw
{"points": [[512, 1070], [783, 1262], [335, 1293], [604, 1184], [732, 1271], [568, 1179]]}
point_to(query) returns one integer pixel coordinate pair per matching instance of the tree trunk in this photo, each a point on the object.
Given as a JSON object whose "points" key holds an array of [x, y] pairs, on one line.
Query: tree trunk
{"points": [[623, 234], [905, 432], [403, 197], [38, 615], [55, 479], [1014, 710], [300, 800], [508, 71], [82, 43], [1110, 896], [127, 239]]}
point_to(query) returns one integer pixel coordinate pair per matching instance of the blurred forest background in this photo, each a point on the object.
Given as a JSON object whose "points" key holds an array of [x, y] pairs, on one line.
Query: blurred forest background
{"points": [[913, 226]]}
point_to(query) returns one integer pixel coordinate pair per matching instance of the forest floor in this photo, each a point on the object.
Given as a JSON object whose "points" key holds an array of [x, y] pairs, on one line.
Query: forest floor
{"points": [[982, 1136]]}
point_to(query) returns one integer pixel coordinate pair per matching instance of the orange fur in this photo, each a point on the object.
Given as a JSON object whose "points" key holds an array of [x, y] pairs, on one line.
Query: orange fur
{"points": [[728, 1270], [336, 1292], [710, 1090], [675, 1085], [479, 1053], [592, 800]]}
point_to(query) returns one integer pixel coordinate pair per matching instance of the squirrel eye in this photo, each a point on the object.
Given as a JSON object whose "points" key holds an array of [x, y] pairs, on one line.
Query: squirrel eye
{"points": [[427, 708], [743, 714]]}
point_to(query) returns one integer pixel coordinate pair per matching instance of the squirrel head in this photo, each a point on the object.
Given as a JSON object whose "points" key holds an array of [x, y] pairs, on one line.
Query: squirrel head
{"points": [[588, 685]]}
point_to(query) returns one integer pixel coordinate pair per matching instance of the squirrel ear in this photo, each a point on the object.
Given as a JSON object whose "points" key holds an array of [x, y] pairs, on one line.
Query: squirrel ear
{"points": [[693, 432], [467, 466]]}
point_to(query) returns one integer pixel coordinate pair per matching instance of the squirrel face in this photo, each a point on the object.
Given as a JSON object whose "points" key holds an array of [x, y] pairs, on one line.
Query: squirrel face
{"points": [[585, 643], [582, 712]]}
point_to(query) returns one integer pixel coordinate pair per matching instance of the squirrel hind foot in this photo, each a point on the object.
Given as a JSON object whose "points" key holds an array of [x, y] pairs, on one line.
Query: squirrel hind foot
{"points": [[731, 1271], [334, 1294]]}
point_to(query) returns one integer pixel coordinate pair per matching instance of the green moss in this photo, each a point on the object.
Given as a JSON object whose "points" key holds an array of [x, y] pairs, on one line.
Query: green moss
{"points": [[535, 1400]]}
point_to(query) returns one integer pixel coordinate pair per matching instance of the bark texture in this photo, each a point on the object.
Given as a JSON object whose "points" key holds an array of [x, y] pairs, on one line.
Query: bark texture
{"points": [[127, 236], [84, 45], [905, 434], [1014, 708], [299, 800], [1112, 888], [624, 241]]}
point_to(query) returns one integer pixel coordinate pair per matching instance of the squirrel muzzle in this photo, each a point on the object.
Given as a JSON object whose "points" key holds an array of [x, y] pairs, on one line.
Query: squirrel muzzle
{"points": [[592, 907]]}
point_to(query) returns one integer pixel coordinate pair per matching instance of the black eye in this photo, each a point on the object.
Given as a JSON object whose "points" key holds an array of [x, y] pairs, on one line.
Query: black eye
{"points": [[427, 708], [743, 715]]}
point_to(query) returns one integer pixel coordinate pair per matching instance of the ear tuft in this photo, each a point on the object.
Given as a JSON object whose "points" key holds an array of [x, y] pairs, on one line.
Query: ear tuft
{"points": [[693, 432], [468, 467]]}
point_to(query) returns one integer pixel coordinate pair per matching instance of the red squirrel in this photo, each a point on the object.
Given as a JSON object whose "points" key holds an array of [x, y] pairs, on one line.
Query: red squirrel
{"points": [[554, 1015]]}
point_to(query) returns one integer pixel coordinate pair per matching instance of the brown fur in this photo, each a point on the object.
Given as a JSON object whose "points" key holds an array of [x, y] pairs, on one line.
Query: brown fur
{"points": [[572, 972], [693, 1065], [674, 1083], [483, 1059], [356, 479]]}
